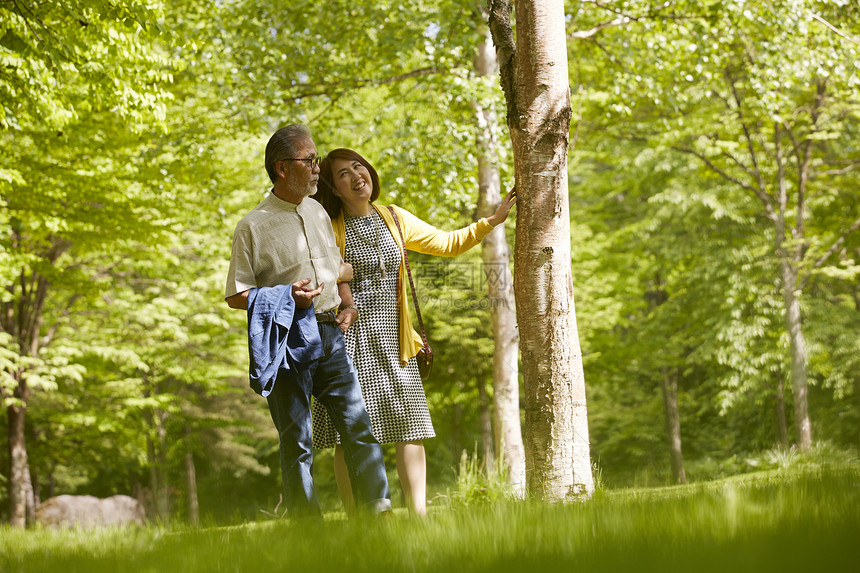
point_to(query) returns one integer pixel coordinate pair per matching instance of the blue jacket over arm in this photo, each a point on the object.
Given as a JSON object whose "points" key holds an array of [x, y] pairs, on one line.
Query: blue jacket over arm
{"points": [[280, 335]]}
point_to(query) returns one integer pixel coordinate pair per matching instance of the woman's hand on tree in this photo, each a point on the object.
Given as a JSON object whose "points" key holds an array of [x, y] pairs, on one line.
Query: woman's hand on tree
{"points": [[504, 208]]}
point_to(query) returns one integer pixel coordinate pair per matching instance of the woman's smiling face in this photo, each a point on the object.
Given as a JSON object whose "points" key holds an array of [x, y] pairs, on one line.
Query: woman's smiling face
{"points": [[352, 182]]}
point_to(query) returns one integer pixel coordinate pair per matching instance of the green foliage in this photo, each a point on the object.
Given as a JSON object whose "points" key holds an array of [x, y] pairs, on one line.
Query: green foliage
{"points": [[64, 59], [478, 484], [674, 243]]}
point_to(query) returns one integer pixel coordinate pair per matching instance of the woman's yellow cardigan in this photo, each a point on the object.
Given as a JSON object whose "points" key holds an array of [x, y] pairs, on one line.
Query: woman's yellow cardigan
{"points": [[423, 238]]}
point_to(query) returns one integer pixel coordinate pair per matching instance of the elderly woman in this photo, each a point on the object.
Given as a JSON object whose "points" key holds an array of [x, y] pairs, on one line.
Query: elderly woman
{"points": [[381, 342]]}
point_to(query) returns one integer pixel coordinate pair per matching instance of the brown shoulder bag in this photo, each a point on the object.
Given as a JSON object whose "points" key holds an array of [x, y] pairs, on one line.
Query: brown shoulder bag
{"points": [[425, 355]]}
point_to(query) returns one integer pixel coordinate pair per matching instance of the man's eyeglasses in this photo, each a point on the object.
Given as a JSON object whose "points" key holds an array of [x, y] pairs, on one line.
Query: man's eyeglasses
{"points": [[309, 161]]}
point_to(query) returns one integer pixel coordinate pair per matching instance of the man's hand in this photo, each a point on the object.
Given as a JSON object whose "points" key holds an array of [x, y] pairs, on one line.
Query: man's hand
{"points": [[346, 317], [303, 295]]}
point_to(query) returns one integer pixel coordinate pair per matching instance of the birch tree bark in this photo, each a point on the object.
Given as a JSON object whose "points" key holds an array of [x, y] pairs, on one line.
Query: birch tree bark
{"points": [[496, 257], [191, 484], [534, 78], [669, 385], [488, 450], [789, 263], [18, 460], [780, 423], [156, 446]]}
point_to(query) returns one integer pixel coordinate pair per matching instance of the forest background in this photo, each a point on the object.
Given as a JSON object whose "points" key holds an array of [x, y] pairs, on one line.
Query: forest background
{"points": [[714, 155]]}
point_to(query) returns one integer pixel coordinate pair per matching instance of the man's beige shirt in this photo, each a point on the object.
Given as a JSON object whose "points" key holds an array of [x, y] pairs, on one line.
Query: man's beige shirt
{"points": [[280, 243]]}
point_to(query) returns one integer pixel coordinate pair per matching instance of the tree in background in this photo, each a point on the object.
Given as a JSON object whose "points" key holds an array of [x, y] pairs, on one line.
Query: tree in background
{"points": [[771, 144], [701, 79], [62, 60]]}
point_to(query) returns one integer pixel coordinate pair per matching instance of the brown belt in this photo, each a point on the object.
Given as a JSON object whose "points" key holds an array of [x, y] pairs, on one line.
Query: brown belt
{"points": [[330, 316]]}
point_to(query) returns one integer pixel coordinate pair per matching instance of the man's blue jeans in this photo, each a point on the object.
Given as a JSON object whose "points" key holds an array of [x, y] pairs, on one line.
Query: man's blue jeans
{"points": [[333, 381]]}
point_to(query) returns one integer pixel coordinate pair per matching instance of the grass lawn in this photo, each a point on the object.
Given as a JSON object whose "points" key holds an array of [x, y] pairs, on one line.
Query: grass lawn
{"points": [[803, 520]]}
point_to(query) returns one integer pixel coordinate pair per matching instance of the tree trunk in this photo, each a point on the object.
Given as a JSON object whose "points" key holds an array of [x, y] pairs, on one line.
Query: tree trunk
{"points": [[18, 459], [191, 485], [780, 423], [457, 429], [487, 449], [500, 289], [21, 317], [799, 384], [37, 488], [791, 293], [156, 450], [29, 497], [534, 79], [673, 425]]}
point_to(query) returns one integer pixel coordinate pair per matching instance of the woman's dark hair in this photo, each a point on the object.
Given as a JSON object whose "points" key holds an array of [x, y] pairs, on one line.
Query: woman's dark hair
{"points": [[325, 187]]}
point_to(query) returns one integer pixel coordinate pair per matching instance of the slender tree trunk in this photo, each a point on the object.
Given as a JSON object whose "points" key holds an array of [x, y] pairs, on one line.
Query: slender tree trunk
{"points": [[791, 293], [156, 450], [673, 425], [457, 430], [29, 496], [487, 449], [534, 79], [500, 289], [37, 488], [797, 344], [191, 485], [18, 459], [780, 423]]}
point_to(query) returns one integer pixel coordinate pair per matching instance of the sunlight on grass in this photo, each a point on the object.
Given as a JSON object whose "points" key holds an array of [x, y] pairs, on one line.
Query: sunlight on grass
{"points": [[785, 521]]}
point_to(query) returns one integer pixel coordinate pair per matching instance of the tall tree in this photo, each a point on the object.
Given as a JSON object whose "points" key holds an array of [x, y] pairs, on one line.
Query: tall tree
{"points": [[534, 78], [61, 59]]}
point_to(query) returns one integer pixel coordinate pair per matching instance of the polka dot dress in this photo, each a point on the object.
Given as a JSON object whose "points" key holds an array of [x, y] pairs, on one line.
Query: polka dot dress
{"points": [[392, 393]]}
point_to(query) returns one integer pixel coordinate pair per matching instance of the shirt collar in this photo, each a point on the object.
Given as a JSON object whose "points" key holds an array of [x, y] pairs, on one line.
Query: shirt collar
{"points": [[276, 201]]}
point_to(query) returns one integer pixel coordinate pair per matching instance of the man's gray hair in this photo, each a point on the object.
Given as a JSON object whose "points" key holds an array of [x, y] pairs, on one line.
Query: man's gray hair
{"points": [[284, 144]]}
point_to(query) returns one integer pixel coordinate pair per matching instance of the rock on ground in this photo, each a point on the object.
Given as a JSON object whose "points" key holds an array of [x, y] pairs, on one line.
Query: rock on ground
{"points": [[89, 511]]}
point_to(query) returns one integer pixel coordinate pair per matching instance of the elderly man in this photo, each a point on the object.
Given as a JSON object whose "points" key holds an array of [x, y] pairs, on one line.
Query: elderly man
{"points": [[283, 270]]}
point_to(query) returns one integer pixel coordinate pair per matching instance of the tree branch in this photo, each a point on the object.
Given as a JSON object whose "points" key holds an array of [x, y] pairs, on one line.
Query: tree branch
{"points": [[585, 34], [738, 162], [836, 172], [804, 166], [622, 18], [833, 248], [49, 336], [795, 145], [329, 88], [761, 192], [765, 198], [26, 20], [835, 29], [406, 76]]}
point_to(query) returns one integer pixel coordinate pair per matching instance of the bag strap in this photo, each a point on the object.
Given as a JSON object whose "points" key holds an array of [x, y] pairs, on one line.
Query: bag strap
{"points": [[409, 274]]}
